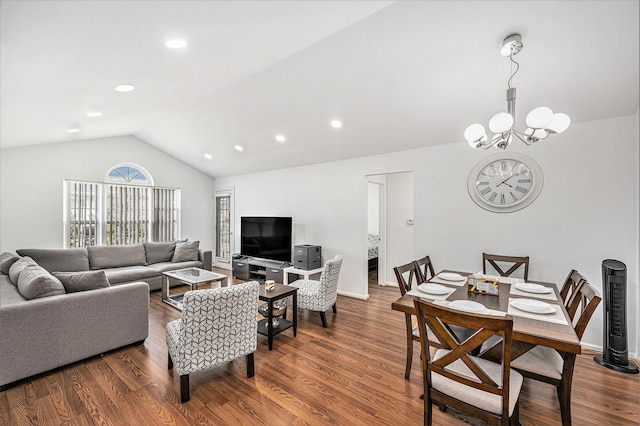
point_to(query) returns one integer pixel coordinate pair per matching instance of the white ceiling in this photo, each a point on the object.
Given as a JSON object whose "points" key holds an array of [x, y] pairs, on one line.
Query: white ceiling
{"points": [[400, 75]]}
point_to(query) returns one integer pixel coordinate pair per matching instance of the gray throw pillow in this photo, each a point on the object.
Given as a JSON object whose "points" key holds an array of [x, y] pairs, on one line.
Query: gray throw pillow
{"points": [[6, 260], [59, 259], [16, 269], [186, 251], [103, 257], [82, 281], [159, 252], [35, 282]]}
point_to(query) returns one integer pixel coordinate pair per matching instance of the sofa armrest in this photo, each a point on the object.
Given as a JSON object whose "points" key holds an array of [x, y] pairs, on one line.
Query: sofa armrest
{"points": [[42, 334], [206, 257]]}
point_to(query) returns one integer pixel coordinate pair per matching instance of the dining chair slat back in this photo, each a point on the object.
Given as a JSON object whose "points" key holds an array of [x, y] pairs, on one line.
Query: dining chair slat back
{"points": [[513, 263], [406, 275], [571, 286], [454, 377], [586, 300], [425, 269]]}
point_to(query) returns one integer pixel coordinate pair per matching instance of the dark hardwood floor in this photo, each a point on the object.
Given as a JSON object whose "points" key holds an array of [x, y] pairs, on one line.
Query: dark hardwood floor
{"points": [[351, 373]]}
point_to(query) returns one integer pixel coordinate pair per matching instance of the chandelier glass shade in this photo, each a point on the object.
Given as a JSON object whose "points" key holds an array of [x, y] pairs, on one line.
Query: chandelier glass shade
{"points": [[541, 121]]}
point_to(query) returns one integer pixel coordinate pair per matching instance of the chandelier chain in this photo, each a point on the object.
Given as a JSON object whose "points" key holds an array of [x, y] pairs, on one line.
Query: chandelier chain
{"points": [[513, 61]]}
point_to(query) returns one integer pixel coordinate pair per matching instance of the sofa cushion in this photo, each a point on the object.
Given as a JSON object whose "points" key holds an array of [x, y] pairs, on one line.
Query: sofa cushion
{"points": [[170, 266], [59, 260], [102, 257], [35, 282], [6, 260], [186, 251], [127, 274], [159, 252], [82, 281], [18, 266]]}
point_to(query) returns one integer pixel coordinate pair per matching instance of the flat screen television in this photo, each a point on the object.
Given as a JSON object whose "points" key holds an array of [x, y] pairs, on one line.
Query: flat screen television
{"points": [[266, 237]]}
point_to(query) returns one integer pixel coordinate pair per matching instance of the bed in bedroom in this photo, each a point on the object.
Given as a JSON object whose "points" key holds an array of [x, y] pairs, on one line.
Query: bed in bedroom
{"points": [[374, 243]]}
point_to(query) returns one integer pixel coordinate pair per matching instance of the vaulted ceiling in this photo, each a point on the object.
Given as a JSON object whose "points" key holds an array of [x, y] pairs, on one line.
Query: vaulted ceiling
{"points": [[399, 75]]}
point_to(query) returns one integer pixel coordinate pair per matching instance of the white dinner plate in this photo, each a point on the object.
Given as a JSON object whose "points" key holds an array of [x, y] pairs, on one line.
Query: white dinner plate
{"points": [[433, 288], [533, 306], [451, 276], [533, 288], [468, 306]]}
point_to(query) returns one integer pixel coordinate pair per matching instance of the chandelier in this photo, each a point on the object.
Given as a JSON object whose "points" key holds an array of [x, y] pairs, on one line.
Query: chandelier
{"points": [[541, 121]]}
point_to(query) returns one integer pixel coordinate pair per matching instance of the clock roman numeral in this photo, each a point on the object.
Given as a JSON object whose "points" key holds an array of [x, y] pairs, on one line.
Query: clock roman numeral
{"points": [[521, 189], [502, 198], [485, 191], [493, 196], [514, 197], [524, 180], [482, 183]]}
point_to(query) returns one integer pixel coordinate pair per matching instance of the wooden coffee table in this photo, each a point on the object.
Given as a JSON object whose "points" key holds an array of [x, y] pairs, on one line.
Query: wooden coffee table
{"points": [[278, 293], [191, 277]]}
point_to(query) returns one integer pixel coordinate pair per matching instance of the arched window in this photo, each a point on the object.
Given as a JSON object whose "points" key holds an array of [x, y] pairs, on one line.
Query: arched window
{"points": [[129, 173]]}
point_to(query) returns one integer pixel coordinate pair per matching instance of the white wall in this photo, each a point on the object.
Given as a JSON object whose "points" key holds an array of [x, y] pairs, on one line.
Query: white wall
{"points": [[373, 209], [31, 185], [587, 211]]}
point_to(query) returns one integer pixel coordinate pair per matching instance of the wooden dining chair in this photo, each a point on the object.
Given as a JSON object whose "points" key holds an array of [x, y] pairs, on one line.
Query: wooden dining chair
{"points": [[550, 366], [425, 269], [407, 275], [513, 263], [571, 286], [455, 377]]}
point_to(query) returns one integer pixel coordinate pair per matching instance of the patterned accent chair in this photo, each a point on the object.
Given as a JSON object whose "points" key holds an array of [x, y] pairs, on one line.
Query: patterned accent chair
{"points": [[322, 294], [217, 326]]}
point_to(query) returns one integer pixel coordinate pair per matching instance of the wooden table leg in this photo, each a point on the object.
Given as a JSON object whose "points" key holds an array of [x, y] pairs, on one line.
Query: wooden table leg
{"points": [[270, 324], [295, 313]]}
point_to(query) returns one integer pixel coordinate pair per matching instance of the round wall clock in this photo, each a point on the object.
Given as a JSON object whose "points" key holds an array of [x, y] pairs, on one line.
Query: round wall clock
{"points": [[505, 182]]}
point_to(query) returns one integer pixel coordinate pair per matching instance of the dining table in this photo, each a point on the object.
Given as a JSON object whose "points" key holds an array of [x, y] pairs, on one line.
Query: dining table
{"points": [[552, 328]]}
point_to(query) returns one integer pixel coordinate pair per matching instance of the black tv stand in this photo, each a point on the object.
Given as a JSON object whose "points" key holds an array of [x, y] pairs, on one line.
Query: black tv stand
{"points": [[256, 269]]}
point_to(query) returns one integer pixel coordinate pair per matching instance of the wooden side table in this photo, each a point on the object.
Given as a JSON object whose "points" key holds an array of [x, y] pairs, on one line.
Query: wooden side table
{"points": [[278, 293]]}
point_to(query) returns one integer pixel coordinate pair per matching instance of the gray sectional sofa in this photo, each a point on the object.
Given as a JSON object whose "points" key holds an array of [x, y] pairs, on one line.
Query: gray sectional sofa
{"points": [[124, 264], [59, 306]]}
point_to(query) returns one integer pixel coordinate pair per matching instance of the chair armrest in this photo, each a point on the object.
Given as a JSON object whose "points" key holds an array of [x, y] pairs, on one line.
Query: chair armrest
{"points": [[206, 257]]}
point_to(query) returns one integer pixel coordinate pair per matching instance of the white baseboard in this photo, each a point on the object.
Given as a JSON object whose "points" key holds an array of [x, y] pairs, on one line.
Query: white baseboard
{"points": [[595, 348], [353, 295], [598, 348]]}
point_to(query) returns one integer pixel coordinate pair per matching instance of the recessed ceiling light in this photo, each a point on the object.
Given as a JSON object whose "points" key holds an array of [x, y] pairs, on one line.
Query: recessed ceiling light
{"points": [[175, 43], [73, 130], [94, 114], [280, 138], [124, 88], [238, 148], [336, 123], [208, 156]]}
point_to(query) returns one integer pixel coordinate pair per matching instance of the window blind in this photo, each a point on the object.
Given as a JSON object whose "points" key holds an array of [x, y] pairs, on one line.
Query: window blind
{"points": [[127, 214], [165, 210], [83, 217]]}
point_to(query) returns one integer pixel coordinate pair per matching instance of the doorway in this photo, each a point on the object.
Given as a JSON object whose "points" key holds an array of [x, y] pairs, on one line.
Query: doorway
{"points": [[224, 246], [389, 224]]}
